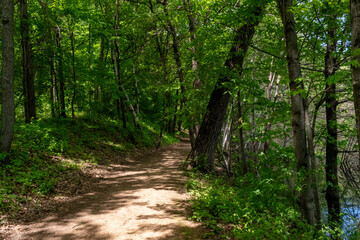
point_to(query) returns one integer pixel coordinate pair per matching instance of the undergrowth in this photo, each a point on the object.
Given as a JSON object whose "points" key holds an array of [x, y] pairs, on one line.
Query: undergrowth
{"points": [[47, 152], [247, 208]]}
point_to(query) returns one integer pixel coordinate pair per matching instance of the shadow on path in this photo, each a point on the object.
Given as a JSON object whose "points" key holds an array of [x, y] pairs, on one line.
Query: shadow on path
{"points": [[144, 199]]}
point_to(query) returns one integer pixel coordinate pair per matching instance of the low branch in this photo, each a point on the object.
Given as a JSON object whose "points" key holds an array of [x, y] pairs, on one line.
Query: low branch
{"points": [[264, 51]]}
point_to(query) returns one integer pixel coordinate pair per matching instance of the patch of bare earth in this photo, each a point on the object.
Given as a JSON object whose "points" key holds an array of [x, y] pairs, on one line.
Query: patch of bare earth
{"points": [[144, 198]]}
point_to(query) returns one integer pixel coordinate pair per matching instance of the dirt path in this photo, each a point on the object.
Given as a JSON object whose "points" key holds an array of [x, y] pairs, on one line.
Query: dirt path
{"points": [[143, 199]]}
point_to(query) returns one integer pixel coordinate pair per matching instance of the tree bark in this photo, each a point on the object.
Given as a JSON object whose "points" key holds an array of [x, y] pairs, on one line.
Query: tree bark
{"points": [[203, 153], [72, 44], [298, 114], [355, 42], [28, 74], [314, 165], [100, 65], [115, 52], [176, 49], [122, 89], [60, 72], [7, 80], [53, 89], [242, 157], [194, 127], [331, 168]]}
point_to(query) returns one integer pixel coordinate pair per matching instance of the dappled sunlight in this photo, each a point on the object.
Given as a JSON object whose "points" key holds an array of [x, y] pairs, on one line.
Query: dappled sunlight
{"points": [[144, 199]]}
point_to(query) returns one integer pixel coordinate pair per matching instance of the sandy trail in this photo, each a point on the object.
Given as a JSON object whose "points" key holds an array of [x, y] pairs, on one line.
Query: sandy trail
{"points": [[144, 199]]}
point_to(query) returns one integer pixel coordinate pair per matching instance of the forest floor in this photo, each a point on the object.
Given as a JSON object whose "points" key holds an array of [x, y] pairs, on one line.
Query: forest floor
{"points": [[141, 197]]}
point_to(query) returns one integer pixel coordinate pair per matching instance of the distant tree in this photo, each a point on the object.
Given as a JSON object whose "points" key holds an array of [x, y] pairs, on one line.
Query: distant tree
{"points": [[28, 73]]}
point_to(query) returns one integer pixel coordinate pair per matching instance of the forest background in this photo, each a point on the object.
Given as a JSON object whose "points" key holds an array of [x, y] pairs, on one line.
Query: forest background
{"points": [[264, 89]]}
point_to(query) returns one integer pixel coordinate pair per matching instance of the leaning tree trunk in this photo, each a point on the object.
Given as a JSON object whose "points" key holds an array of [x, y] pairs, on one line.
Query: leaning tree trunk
{"points": [[355, 42], [298, 111], [203, 153], [7, 80], [28, 74]]}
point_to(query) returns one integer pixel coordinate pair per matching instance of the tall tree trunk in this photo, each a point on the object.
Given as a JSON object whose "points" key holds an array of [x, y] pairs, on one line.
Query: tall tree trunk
{"points": [[54, 109], [355, 42], [28, 74], [193, 128], [306, 197], [7, 79], [314, 164], [137, 93], [100, 65], [89, 67], [242, 157], [272, 77], [72, 43], [122, 89], [115, 52], [203, 153], [331, 168], [192, 30], [60, 72], [176, 49]]}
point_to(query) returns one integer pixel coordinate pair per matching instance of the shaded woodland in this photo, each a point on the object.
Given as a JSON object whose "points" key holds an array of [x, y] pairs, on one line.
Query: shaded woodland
{"points": [[266, 91]]}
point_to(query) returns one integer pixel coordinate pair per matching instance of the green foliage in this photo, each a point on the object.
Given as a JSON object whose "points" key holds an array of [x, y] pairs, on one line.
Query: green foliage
{"points": [[247, 208]]}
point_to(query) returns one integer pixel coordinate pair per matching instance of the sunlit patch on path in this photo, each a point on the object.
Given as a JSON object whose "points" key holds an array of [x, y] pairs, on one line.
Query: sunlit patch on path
{"points": [[143, 199]]}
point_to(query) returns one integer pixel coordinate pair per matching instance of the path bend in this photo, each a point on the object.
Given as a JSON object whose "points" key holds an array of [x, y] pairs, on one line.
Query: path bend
{"points": [[142, 199]]}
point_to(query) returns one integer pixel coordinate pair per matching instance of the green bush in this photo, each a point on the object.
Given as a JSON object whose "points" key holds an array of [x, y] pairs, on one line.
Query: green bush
{"points": [[247, 208]]}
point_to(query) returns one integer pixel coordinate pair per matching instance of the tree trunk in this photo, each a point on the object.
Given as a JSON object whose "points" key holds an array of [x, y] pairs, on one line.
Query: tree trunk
{"points": [[175, 45], [7, 80], [203, 153], [123, 113], [54, 109], [298, 114], [314, 164], [331, 168], [100, 65], [28, 74], [192, 30], [137, 92], [72, 43], [355, 42], [194, 127], [272, 77], [242, 157], [115, 52], [226, 142], [122, 89], [60, 72]]}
